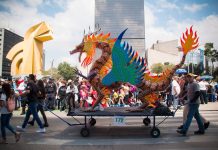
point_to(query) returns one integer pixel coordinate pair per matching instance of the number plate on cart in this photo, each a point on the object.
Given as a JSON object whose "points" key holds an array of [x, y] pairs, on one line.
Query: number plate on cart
{"points": [[119, 121]]}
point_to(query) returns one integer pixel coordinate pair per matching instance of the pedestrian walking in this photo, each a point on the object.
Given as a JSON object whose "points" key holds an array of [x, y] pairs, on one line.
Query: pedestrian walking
{"points": [[6, 114], [184, 100], [31, 93], [193, 94], [41, 101]]}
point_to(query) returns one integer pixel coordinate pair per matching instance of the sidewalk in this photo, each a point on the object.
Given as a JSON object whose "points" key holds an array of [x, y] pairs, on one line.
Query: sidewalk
{"points": [[213, 106]]}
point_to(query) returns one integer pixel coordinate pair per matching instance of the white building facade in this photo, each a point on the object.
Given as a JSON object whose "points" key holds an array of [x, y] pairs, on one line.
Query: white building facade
{"points": [[168, 52]]}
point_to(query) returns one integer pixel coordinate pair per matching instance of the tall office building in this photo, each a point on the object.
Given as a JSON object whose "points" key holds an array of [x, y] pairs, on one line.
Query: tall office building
{"points": [[114, 16], [7, 40]]}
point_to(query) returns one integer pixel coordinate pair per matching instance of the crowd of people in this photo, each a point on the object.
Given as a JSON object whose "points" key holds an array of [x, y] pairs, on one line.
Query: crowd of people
{"points": [[48, 94]]}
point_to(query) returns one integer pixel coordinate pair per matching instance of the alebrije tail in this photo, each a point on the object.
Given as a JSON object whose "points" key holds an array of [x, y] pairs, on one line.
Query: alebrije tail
{"points": [[189, 41], [148, 86]]}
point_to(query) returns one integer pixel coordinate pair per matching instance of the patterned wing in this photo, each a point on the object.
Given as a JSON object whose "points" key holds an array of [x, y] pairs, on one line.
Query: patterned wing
{"points": [[126, 66]]}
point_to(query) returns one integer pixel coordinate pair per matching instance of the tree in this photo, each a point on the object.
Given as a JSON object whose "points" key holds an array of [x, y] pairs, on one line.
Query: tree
{"points": [[198, 69], [211, 54], [215, 74], [168, 65], [66, 71], [157, 68], [52, 72]]}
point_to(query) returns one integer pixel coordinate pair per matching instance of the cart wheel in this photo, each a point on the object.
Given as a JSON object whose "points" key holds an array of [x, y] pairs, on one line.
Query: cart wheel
{"points": [[84, 132], [92, 121], [155, 132], [146, 121]]}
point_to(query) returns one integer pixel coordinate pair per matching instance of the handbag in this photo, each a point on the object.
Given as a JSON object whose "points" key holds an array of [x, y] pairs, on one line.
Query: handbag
{"points": [[10, 104]]}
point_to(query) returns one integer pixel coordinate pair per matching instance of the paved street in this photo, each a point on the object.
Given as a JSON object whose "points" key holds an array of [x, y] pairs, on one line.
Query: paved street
{"points": [[106, 136]]}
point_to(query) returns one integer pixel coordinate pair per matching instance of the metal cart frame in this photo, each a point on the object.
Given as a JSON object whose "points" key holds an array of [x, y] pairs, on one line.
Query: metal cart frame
{"points": [[115, 111]]}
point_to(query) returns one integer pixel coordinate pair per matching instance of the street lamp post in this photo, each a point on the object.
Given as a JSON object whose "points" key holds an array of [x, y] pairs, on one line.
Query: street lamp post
{"points": [[52, 63]]}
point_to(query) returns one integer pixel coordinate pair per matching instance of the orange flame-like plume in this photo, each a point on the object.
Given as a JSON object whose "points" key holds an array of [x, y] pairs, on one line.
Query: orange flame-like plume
{"points": [[151, 99], [188, 41]]}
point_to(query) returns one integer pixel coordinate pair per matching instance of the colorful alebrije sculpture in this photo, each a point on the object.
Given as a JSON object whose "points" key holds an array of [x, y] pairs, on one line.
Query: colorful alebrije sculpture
{"points": [[119, 64]]}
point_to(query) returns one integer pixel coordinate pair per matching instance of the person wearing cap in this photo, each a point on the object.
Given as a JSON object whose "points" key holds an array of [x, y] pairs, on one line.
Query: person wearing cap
{"points": [[193, 94], [184, 100], [32, 96]]}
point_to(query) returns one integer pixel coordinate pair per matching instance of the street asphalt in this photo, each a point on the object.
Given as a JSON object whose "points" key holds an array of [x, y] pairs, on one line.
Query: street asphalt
{"points": [[133, 135]]}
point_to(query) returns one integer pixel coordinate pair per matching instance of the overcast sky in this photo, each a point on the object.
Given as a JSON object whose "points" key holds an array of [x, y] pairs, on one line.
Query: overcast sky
{"points": [[164, 20]]}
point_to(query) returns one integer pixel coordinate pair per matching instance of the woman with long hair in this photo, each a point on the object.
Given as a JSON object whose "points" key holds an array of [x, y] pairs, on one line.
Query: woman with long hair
{"points": [[5, 114]]}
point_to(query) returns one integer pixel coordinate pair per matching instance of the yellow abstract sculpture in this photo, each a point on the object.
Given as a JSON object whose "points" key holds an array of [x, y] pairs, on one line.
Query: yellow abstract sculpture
{"points": [[27, 56]]}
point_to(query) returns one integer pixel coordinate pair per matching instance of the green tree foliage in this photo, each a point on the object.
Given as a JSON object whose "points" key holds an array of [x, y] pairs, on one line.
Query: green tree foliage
{"points": [[211, 55], [157, 68], [215, 74], [167, 65], [66, 71], [194, 68], [198, 69], [52, 72]]}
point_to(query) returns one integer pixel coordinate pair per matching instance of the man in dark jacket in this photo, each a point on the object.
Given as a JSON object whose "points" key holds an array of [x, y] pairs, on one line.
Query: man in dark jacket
{"points": [[31, 93]]}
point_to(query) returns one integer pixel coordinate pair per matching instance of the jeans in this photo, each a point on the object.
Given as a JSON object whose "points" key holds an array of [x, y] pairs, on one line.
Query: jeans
{"points": [[203, 96], [175, 101], [40, 108], [193, 112], [5, 123], [169, 100], [211, 97], [50, 102], [32, 109]]}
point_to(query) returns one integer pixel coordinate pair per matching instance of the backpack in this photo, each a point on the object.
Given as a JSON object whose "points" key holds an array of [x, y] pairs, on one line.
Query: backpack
{"points": [[50, 88], [62, 91], [10, 104]]}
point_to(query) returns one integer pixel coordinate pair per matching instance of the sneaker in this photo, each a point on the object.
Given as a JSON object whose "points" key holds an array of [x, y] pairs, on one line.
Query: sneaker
{"points": [[20, 128], [199, 132], [180, 127], [41, 130], [17, 136], [181, 132], [206, 125]]}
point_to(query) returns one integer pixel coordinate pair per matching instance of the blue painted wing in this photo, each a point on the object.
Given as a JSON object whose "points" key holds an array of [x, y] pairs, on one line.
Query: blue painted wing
{"points": [[125, 68]]}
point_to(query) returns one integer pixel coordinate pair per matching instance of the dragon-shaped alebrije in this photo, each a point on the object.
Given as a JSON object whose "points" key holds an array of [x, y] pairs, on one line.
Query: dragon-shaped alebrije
{"points": [[119, 63]]}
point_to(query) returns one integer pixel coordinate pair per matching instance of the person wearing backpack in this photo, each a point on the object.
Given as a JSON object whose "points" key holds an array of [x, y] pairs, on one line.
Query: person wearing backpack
{"points": [[32, 97], [61, 94], [51, 91], [6, 113]]}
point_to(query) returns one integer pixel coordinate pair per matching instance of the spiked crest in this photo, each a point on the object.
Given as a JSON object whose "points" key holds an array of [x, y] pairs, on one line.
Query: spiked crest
{"points": [[189, 40]]}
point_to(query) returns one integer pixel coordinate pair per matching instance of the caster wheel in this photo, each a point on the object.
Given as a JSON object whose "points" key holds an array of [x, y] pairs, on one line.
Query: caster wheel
{"points": [[155, 132], [84, 132], [92, 121], [146, 121]]}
